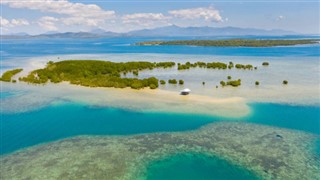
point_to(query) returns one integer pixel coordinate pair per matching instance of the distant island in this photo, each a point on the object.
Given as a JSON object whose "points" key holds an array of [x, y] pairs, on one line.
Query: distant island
{"points": [[167, 31], [233, 42]]}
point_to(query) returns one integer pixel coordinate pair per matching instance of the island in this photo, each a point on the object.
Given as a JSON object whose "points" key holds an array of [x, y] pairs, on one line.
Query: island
{"points": [[94, 73], [234, 42], [7, 76]]}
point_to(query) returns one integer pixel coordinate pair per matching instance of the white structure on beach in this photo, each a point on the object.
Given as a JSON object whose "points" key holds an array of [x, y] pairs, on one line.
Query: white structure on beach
{"points": [[185, 91]]}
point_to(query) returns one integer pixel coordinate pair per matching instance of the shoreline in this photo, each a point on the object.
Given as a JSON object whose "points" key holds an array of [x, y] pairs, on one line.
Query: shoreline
{"points": [[145, 100]]}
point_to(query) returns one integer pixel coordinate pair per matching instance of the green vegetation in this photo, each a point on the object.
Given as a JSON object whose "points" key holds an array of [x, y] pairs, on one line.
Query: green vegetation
{"points": [[172, 81], [181, 82], [203, 83], [94, 73], [285, 82], [162, 82], [265, 64], [257, 83], [234, 83], [234, 42], [242, 66], [229, 77], [213, 65], [230, 66], [6, 76], [135, 72]]}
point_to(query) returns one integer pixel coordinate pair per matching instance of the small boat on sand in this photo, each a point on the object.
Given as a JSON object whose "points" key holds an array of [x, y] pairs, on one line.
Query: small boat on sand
{"points": [[185, 91]]}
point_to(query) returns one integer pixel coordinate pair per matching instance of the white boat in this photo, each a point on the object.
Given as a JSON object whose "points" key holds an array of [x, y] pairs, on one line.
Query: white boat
{"points": [[185, 91]]}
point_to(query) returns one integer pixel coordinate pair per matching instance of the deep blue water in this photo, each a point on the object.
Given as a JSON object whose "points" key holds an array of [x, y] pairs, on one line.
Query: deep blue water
{"points": [[191, 166], [305, 118], [65, 120], [41, 47]]}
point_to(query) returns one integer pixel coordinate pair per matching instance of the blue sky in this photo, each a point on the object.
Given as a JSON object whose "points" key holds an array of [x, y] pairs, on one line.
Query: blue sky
{"points": [[39, 16]]}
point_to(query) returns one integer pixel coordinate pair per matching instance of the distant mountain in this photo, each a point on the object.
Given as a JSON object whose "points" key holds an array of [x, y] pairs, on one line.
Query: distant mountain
{"points": [[169, 31], [76, 35], [208, 31], [19, 34]]}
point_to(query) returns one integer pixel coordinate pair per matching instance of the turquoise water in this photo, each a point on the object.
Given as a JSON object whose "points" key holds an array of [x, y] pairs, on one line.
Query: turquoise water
{"points": [[305, 118], [190, 166], [65, 120]]}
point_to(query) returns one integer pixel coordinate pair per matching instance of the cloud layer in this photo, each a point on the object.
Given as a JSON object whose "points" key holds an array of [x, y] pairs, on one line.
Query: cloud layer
{"points": [[62, 14]]}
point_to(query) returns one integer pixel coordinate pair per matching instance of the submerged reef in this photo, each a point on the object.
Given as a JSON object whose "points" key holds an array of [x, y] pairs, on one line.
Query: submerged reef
{"points": [[268, 152]]}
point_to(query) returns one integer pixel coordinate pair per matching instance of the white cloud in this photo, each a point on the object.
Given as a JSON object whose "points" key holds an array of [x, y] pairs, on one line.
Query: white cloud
{"points": [[19, 22], [48, 23], [145, 19], [209, 14], [280, 18], [61, 7], [74, 13], [5, 23]]}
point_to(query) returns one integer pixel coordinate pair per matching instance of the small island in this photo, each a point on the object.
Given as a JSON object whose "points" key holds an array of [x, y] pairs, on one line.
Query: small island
{"points": [[234, 42], [7, 76], [94, 73]]}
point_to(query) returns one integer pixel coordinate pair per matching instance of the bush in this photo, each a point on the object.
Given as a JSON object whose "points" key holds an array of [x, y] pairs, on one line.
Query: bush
{"points": [[135, 72], [229, 77], [14, 81], [257, 83], [203, 83], [172, 81], [162, 82], [234, 83], [137, 85], [265, 64], [285, 82], [222, 83], [181, 82], [152, 86]]}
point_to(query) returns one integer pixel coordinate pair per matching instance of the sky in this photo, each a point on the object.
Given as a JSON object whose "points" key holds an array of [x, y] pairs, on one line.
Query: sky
{"points": [[41, 16]]}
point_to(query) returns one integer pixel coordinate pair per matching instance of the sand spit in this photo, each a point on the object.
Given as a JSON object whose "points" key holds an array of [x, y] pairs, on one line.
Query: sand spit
{"points": [[271, 153], [38, 96]]}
